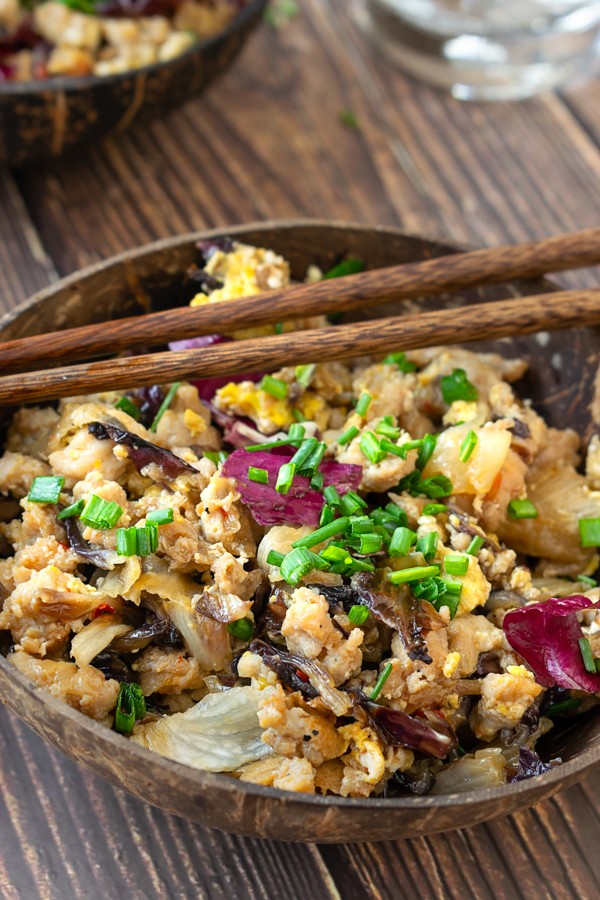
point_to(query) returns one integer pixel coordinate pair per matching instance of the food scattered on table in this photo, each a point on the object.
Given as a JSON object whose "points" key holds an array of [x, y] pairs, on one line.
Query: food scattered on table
{"points": [[363, 579], [102, 37]]}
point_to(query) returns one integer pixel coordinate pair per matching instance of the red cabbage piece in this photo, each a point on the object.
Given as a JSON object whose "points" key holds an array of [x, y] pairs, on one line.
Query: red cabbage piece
{"points": [[301, 505], [546, 635], [530, 764]]}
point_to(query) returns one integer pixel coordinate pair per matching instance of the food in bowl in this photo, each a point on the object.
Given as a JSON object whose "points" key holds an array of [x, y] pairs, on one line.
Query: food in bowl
{"points": [[361, 579], [84, 37]]}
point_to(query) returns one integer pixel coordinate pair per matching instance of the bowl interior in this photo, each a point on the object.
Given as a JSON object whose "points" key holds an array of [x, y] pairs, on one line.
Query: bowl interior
{"points": [[561, 384]]}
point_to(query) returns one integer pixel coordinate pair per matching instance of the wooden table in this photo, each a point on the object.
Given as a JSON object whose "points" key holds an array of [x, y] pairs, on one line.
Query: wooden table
{"points": [[269, 142]]}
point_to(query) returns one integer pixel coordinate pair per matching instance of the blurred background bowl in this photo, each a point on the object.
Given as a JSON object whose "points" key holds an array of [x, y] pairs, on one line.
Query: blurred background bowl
{"points": [[48, 118], [562, 393]]}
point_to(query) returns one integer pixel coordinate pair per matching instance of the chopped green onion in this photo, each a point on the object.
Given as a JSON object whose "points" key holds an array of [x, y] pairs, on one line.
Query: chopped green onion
{"points": [[431, 589], [338, 526], [427, 545], [523, 509], [45, 489], [278, 329], [401, 542], [436, 487], [381, 681], [274, 386], [285, 476], [358, 615], [475, 545], [298, 563], [298, 415], [161, 516], [331, 495], [396, 450], [304, 452], [361, 525], [433, 509], [348, 435], [349, 266], [350, 503], [259, 475], [131, 707], [371, 448], [393, 510], [100, 514], [327, 515], [587, 655], [275, 558], [583, 579], [403, 576], [426, 451], [363, 403], [334, 553], [400, 360], [316, 482], [73, 510], [564, 706], [146, 539], [315, 459], [456, 564], [389, 431], [242, 629], [217, 456], [452, 587], [589, 532], [304, 374], [467, 446], [126, 541], [165, 404], [129, 407], [457, 386], [296, 432], [365, 544]]}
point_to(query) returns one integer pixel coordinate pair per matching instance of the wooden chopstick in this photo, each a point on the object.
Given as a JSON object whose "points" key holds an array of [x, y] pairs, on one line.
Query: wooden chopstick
{"points": [[435, 276], [482, 321]]}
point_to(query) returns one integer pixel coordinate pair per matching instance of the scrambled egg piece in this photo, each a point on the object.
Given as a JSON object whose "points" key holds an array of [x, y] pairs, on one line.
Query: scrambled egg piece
{"points": [[269, 413]]}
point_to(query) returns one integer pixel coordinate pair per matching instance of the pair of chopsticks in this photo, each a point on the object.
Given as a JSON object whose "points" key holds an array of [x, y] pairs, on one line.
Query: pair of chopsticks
{"points": [[503, 318]]}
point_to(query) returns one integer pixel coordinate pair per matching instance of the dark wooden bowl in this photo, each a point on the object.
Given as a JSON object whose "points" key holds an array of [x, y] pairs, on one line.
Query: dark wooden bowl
{"points": [[561, 385], [48, 118]]}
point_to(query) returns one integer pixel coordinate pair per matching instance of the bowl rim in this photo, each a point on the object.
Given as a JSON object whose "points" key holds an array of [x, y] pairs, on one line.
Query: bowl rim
{"points": [[199, 778], [72, 83]]}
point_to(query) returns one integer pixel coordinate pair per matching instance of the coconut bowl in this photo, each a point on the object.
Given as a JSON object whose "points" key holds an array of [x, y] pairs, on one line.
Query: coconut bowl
{"points": [[48, 118], [561, 384]]}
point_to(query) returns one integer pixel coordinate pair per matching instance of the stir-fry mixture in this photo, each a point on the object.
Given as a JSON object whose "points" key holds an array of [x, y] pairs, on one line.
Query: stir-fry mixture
{"points": [[102, 37], [363, 578]]}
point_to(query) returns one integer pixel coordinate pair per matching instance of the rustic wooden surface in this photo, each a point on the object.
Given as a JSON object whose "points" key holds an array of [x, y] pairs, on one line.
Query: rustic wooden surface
{"points": [[268, 142]]}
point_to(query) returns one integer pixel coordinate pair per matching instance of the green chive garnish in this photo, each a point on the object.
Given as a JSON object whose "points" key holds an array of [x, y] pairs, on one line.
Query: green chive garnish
{"points": [[358, 615], [165, 404], [426, 451], [387, 446], [46, 489], [400, 360], [242, 629], [131, 707], [129, 407], [524, 509], [126, 541], [475, 545], [304, 374], [274, 386], [275, 558], [434, 509], [392, 432], [298, 563], [404, 576], [427, 545], [467, 446], [401, 542], [583, 579], [349, 266], [338, 526], [278, 329], [350, 503], [365, 544], [100, 514], [331, 495], [393, 510], [327, 516], [361, 525], [363, 403], [296, 432], [259, 475], [589, 532], [285, 477], [587, 655], [348, 435], [565, 706], [298, 415], [371, 448], [69, 511], [161, 516], [316, 482], [217, 457], [381, 681], [456, 564], [457, 386]]}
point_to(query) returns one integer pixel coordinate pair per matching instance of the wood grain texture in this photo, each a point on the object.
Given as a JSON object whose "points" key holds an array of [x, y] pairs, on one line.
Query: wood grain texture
{"points": [[268, 142], [329, 296]]}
